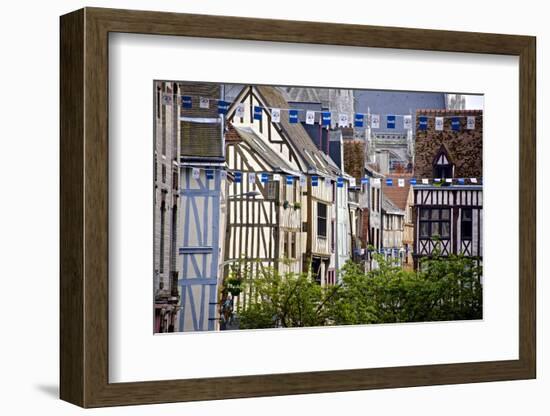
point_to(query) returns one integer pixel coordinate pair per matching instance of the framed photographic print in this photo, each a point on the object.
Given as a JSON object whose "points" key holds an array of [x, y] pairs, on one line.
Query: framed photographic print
{"points": [[257, 207]]}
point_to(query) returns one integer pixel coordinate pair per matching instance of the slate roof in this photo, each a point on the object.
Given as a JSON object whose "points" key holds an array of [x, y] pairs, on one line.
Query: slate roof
{"points": [[263, 150], [317, 161], [389, 207]]}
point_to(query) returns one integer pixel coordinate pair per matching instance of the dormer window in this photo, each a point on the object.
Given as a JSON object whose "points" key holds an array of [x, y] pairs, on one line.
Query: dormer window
{"points": [[443, 166]]}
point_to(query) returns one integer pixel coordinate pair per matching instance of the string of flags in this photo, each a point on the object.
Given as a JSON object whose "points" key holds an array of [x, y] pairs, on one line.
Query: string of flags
{"points": [[265, 177], [326, 118]]}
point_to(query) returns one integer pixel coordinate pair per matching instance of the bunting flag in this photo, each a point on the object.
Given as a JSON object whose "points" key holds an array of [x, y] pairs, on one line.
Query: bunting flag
{"points": [[186, 101], [423, 123], [412, 181], [389, 182], [364, 181], [289, 179], [257, 113], [325, 118], [314, 180], [204, 102], [340, 182], [264, 177], [352, 182], [196, 173], [343, 120], [375, 121], [239, 110], [473, 180], [359, 120], [223, 106], [377, 181], [223, 175], [461, 181], [439, 123], [251, 177], [401, 182], [408, 122], [425, 181], [276, 115], [437, 180], [303, 181], [293, 116], [310, 117], [276, 177], [209, 174], [471, 123], [390, 121], [238, 176], [455, 124], [166, 98], [449, 180]]}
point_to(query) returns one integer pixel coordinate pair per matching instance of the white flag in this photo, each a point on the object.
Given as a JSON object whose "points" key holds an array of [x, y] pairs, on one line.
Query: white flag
{"points": [[196, 173], [204, 102], [449, 180], [401, 182], [375, 121], [343, 120], [252, 178], [276, 177], [376, 181], [473, 180], [310, 117], [352, 182], [239, 110], [471, 123], [407, 122], [276, 115], [425, 181], [439, 123], [303, 180]]}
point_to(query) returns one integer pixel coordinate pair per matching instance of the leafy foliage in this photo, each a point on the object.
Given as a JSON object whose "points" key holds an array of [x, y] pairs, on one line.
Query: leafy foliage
{"points": [[446, 288]]}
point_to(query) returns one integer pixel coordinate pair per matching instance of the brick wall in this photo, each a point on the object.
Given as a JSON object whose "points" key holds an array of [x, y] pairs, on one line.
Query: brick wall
{"points": [[465, 147]]}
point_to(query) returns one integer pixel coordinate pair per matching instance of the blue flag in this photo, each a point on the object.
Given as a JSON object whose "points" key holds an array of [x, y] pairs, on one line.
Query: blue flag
{"points": [[461, 181], [423, 123], [209, 173], [289, 180], [389, 182], [340, 182], [238, 177], [314, 180], [223, 106], [257, 113], [455, 124], [359, 120], [186, 101], [325, 118], [264, 177], [391, 122], [293, 116], [364, 181], [412, 181]]}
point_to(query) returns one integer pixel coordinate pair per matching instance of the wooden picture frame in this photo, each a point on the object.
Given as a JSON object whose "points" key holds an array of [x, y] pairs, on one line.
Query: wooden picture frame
{"points": [[84, 207]]}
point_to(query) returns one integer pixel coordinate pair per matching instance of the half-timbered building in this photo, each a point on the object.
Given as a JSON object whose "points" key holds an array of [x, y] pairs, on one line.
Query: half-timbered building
{"points": [[448, 203], [202, 199], [313, 196]]}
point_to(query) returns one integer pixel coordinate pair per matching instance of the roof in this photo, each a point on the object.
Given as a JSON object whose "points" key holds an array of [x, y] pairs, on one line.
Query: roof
{"points": [[317, 161], [389, 207], [398, 195], [201, 140], [263, 150]]}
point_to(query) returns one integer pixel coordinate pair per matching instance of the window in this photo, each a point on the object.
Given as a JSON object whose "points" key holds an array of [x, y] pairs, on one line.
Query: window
{"points": [[332, 237], [285, 244], [163, 168], [272, 189], [466, 224], [158, 101], [161, 245], [175, 180], [293, 245], [443, 168], [321, 219], [435, 222]]}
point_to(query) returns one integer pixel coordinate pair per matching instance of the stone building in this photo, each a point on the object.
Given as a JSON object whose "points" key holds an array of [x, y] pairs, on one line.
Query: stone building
{"points": [[166, 204]]}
